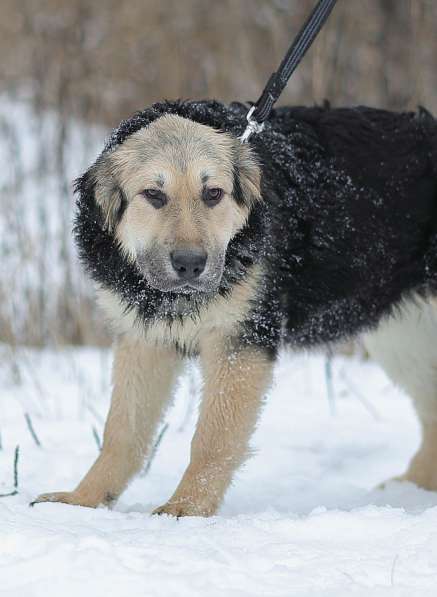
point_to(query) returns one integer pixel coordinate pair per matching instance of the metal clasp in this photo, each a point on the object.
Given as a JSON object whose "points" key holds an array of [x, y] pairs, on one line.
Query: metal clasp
{"points": [[252, 126]]}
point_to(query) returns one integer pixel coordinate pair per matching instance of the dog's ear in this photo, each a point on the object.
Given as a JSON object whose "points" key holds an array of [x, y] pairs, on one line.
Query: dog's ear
{"points": [[108, 194], [247, 175]]}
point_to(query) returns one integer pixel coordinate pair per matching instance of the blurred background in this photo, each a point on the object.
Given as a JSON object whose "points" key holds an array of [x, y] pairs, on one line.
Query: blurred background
{"points": [[71, 69]]}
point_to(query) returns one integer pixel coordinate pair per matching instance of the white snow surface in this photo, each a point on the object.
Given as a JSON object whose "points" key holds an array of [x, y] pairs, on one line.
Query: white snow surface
{"points": [[301, 519]]}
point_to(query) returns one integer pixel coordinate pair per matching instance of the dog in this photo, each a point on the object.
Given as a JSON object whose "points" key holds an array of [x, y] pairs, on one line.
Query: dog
{"points": [[321, 228]]}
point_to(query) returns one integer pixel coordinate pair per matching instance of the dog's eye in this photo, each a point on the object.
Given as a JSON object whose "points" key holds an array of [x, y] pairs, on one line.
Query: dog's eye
{"points": [[212, 196], [155, 197]]}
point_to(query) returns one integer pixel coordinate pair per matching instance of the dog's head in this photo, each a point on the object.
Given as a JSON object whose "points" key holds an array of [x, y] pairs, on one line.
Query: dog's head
{"points": [[174, 194]]}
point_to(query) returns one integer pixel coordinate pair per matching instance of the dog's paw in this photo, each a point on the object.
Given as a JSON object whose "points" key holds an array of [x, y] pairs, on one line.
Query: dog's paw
{"points": [[185, 508], [66, 497]]}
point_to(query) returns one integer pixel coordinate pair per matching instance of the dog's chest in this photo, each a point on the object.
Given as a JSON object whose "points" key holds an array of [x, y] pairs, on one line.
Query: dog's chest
{"points": [[184, 333], [222, 315]]}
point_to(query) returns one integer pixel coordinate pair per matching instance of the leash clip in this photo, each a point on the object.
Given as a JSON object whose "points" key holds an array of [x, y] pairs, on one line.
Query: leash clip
{"points": [[252, 126]]}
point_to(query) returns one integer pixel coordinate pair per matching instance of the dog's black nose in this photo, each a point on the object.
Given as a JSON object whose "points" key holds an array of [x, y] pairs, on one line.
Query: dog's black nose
{"points": [[188, 263]]}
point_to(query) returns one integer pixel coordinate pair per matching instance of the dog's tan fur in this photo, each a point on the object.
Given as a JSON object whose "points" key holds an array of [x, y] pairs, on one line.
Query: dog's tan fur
{"points": [[158, 157], [224, 313], [405, 347], [235, 382], [143, 379], [177, 156]]}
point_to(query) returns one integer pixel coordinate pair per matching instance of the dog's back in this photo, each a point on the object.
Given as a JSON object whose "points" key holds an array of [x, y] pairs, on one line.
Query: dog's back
{"points": [[379, 143], [356, 217]]}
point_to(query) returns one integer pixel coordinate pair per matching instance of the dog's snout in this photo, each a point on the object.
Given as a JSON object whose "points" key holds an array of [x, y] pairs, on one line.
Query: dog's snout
{"points": [[188, 263]]}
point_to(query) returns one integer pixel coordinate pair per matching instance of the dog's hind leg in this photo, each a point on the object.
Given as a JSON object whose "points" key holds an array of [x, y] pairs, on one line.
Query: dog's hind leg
{"points": [[422, 469], [143, 378], [406, 346], [235, 383]]}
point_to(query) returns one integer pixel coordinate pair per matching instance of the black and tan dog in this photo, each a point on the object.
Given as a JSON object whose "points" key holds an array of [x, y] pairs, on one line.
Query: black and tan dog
{"points": [[324, 226]]}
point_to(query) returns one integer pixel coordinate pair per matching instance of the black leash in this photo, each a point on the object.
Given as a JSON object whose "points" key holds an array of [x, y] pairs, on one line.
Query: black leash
{"points": [[279, 79]]}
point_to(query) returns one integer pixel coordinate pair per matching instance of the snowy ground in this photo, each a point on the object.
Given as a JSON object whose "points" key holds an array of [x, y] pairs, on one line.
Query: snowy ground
{"points": [[301, 519]]}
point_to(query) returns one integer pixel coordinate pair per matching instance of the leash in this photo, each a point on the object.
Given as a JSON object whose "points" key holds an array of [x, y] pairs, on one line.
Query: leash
{"points": [[260, 111]]}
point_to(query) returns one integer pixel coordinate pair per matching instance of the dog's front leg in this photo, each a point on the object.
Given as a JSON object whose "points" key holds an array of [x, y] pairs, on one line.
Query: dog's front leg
{"points": [[143, 378], [235, 381]]}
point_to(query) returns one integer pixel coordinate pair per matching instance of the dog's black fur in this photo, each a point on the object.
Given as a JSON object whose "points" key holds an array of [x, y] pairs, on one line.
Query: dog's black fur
{"points": [[347, 228]]}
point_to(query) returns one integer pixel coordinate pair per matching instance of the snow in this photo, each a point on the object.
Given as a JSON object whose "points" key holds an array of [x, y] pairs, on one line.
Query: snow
{"points": [[302, 518]]}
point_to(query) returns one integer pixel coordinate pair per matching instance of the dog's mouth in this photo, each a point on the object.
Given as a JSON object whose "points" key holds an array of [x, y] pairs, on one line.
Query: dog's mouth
{"points": [[161, 281], [159, 276], [183, 287]]}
